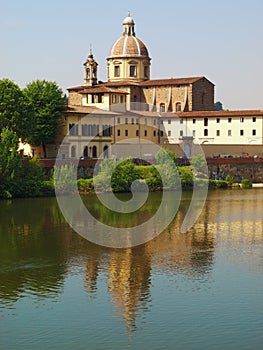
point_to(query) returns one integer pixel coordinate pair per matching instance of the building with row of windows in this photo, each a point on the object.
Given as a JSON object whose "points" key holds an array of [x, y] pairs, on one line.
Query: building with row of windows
{"points": [[130, 108]]}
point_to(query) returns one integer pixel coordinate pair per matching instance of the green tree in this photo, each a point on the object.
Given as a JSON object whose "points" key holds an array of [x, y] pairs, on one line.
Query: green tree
{"points": [[218, 106], [47, 102], [165, 155], [9, 160], [14, 111]]}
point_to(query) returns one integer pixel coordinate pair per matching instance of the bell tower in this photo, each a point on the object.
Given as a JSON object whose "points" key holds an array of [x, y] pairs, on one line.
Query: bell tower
{"points": [[90, 70]]}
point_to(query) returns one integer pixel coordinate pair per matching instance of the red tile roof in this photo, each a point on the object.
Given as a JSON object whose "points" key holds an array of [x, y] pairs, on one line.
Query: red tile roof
{"points": [[101, 89], [237, 113], [89, 110], [172, 81]]}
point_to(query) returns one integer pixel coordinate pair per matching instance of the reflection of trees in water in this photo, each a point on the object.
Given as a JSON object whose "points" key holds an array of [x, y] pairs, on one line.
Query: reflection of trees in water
{"points": [[115, 219], [32, 249]]}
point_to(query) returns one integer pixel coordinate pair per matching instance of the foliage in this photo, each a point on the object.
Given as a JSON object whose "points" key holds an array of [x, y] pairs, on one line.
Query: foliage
{"points": [[218, 106], [216, 184], [124, 175], [28, 181], [164, 156], [230, 180], [186, 176], [9, 160], [48, 189], [199, 164], [64, 179], [85, 185], [47, 102], [246, 183], [14, 110]]}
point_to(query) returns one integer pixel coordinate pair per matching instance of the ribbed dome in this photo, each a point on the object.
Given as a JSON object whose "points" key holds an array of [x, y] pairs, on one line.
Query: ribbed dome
{"points": [[129, 46]]}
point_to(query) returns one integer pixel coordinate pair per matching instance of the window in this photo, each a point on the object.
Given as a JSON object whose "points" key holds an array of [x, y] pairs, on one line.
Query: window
{"points": [[194, 121], [145, 71], [73, 129], [206, 132], [178, 107], [145, 121], [254, 132], [121, 99], [132, 121], [94, 129], [118, 132], [254, 119], [94, 152], [106, 131], [73, 151], [114, 99], [241, 132], [169, 133], [126, 120], [137, 120], [218, 120], [162, 107], [169, 121], [229, 120], [118, 120], [154, 122], [116, 71], [161, 133], [229, 132], [194, 133], [181, 133], [241, 119], [132, 71], [86, 151], [137, 133], [145, 132], [181, 121], [206, 121], [85, 130], [217, 132], [126, 132], [154, 132]]}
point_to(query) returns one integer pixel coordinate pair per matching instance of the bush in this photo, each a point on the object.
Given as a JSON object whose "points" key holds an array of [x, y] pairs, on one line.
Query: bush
{"points": [[85, 185], [28, 179], [246, 183], [48, 189], [216, 184]]}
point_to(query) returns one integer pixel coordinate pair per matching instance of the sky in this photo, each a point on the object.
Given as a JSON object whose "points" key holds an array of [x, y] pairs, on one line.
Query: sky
{"points": [[221, 40]]}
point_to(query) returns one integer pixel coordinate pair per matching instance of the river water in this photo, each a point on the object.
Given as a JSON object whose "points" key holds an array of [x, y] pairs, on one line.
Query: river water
{"points": [[197, 290]]}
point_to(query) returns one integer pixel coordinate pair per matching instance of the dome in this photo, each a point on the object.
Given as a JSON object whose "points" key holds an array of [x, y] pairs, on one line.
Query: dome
{"points": [[129, 45]]}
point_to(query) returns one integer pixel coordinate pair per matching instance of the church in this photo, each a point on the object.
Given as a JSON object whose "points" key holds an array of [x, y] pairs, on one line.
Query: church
{"points": [[172, 113]]}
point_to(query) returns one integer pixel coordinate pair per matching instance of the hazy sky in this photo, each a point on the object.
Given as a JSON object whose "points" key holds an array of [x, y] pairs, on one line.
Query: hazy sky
{"points": [[222, 40]]}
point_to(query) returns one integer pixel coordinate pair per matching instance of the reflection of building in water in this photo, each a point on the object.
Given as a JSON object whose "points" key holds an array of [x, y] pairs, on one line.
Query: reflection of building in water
{"points": [[129, 281], [129, 270]]}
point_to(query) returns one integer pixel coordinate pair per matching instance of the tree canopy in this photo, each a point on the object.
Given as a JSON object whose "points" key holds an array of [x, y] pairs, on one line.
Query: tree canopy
{"points": [[14, 109], [47, 102], [218, 106]]}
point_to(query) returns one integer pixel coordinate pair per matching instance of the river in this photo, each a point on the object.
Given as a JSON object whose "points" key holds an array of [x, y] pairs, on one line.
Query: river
{"points": [[202, 289]]}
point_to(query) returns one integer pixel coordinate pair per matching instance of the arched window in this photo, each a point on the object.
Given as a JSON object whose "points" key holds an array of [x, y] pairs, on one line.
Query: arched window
{"points": [[162, 107], [106, 151], [85, 151], [178, 107], [94, 152], [205, 132]]}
